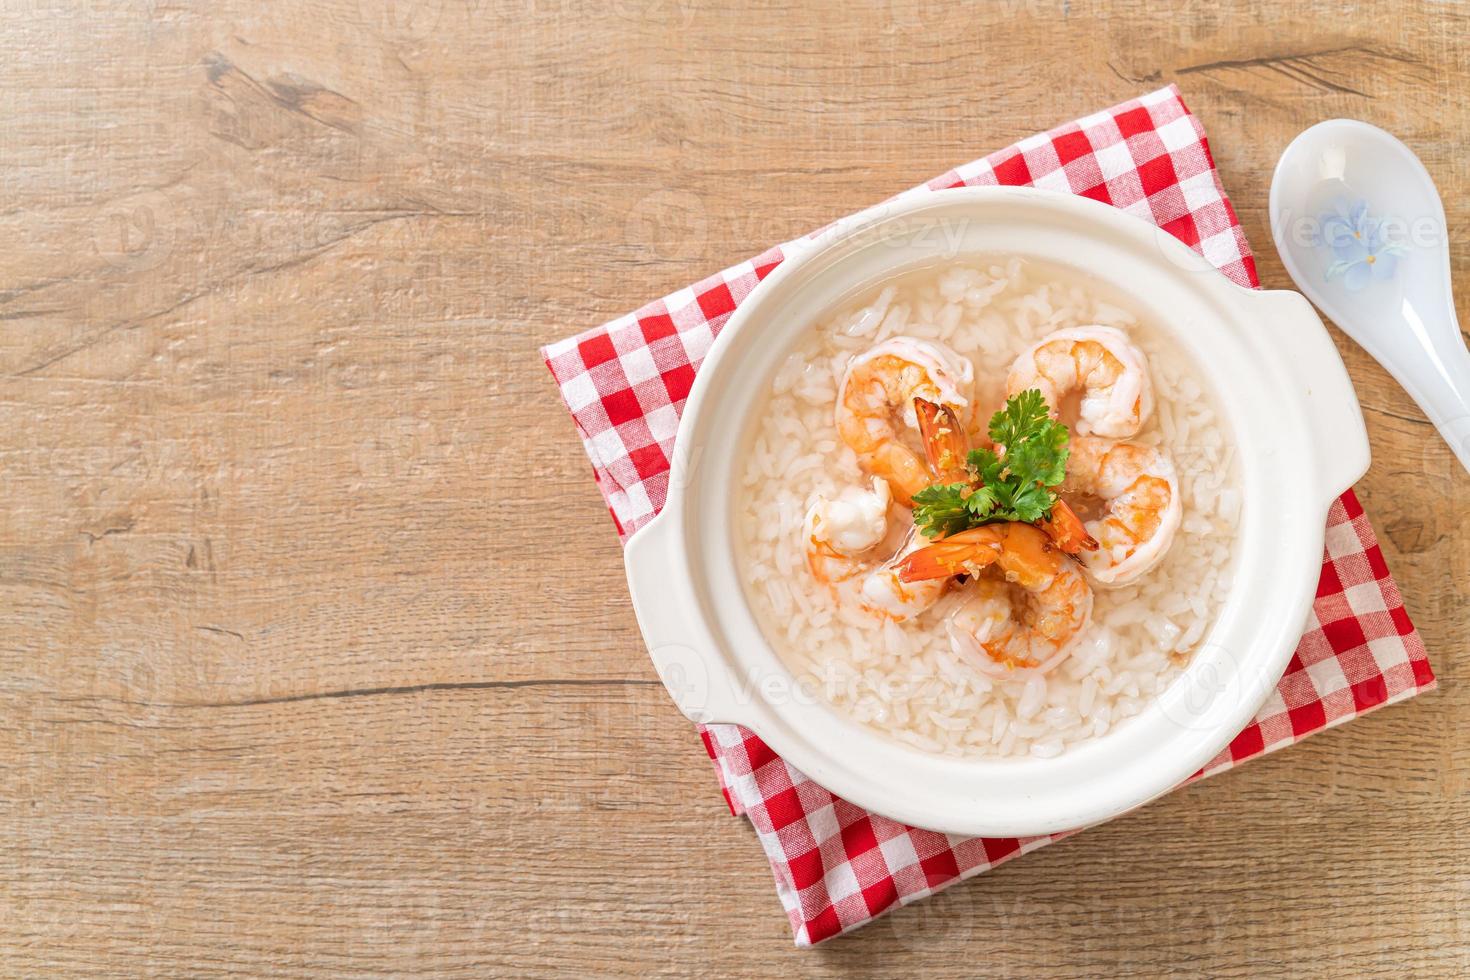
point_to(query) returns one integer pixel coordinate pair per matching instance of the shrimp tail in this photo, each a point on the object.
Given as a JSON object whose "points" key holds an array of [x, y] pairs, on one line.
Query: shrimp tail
{"points": [[1066, 529], [946, 443], [958, 554]]}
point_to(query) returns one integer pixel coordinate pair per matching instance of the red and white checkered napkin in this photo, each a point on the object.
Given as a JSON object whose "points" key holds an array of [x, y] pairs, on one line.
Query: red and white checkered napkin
{"points": [[836, 865]]}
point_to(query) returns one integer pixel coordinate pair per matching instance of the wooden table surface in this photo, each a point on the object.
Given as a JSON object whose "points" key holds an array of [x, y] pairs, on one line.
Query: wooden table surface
{"points": [[315, 650]]}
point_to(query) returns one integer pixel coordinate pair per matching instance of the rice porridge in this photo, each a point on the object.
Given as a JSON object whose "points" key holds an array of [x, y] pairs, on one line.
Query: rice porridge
{"points": [[977, 658]]}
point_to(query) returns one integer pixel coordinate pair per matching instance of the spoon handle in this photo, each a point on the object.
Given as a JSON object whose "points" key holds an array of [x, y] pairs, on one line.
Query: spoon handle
{"points": [[1436, 374]]}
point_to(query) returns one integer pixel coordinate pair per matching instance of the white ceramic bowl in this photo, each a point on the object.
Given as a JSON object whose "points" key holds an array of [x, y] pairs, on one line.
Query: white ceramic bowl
{"points": [[1300, 442]]}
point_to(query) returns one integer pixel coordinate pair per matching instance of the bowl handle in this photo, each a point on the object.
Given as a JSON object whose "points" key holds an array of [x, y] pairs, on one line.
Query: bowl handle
{"points": [[691, 666], [1339, 437]]}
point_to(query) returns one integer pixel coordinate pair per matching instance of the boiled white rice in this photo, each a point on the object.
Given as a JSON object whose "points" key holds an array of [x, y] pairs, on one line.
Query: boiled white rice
{"points": [[904, 680]]}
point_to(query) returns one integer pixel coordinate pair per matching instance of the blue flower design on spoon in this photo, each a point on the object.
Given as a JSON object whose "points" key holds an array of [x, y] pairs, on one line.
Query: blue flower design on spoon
{"points": [[1361, 249]]}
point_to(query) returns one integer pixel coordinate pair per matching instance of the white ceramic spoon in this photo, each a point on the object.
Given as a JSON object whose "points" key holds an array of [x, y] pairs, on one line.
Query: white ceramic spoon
{"points": [[1361, 229]]}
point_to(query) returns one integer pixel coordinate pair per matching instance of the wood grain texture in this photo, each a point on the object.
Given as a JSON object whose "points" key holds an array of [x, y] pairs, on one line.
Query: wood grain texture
{"points": [[315, 652]]}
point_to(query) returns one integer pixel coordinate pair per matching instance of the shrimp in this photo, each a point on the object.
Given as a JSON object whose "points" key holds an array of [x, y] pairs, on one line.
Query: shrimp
{"points": [[947, 447], [1141, 510], [880, 384], [857, 521], [946, 444], [839, 535], [1067, 530], [1037, 631], [1112, 374]]}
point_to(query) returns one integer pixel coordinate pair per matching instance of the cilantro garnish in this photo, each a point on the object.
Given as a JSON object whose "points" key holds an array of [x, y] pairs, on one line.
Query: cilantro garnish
{"points": [[1012, 482]]}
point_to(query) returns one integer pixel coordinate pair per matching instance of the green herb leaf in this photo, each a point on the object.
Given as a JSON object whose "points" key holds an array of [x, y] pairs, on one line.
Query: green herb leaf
{"points": [[1023, 415], [1040, 457], [1013, 482], [986, 465], [942, 509], [1031, 503], [981, 504]]}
